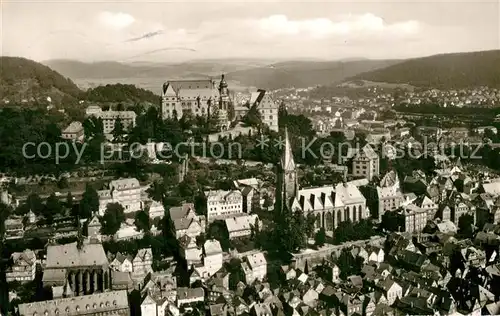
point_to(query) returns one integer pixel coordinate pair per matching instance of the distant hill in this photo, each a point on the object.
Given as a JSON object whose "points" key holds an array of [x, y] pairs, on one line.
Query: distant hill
{"points": [[301, 74], [117, 70], [446, 71], [24, 80], [121, 93]]}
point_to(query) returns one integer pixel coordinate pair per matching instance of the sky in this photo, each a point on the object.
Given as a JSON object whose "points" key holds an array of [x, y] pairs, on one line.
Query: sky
{"points": [[173, 31]]}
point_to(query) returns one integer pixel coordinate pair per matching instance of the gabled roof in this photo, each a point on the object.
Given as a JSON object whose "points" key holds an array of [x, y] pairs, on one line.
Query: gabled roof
{"points": [[68, 255]]}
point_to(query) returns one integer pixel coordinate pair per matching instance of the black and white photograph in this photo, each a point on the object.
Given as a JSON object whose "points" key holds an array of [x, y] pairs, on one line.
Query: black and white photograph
{"points": [[261, 158]]}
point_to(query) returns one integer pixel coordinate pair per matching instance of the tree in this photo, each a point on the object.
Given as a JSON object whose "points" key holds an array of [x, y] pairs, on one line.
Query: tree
{"points": [[320, 237], [253, 117], [310, 221], [142, 221], [466, 226], [52, 207], [112, 219], [69, 201], [35, 204], [89, 204], [118, 130]]}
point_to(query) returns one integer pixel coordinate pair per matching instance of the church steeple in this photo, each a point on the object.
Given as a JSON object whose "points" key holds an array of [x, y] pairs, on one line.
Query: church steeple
{"points": [[287, 161], [287, 187]]}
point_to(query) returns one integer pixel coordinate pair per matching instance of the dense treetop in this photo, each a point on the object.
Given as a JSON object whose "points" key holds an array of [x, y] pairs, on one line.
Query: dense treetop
{"points": [[21, 78], [121, 93], [446, 71]]}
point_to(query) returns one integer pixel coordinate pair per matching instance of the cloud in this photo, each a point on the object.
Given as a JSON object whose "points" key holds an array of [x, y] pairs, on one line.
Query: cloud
{"points": [[116, 20], [323, 27]]}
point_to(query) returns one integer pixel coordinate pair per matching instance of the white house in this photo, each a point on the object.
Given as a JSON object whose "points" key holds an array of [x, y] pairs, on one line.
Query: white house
{"points": [[240, 226], [121, 263], [23, 268], [186, 222], [212, 257], [188, 295], [254, 267], [127, 192], [143, 261], [153, 305], [223, 204]]}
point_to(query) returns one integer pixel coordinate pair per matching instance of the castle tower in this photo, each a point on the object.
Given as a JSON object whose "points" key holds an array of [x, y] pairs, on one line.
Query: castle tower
{"points": [[224, 101], [287, 186]]}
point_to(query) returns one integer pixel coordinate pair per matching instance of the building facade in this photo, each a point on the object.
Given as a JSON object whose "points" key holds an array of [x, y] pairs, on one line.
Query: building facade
{"points": [[366, 163], [223, 204], [197, 98], [110, 117], [127, 192], [74, 131], [108, 303], [23, 267], [267, 108]]}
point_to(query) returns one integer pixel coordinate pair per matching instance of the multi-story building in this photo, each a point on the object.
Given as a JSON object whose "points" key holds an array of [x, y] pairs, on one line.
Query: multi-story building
{"points": [[223, 204], [366, 163], [110, 117], [186, 221], [189, 251], [74, 131], [330, 205], [212, 257], [127, 192], [267, 108], [197, 98], [415, 218], [254, 267], [107, 303], [23, 267], [389, 199], [143, 262]]}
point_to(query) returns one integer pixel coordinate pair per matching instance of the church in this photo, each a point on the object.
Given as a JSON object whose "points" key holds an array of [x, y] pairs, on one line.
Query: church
{"points": [[330, 205]]}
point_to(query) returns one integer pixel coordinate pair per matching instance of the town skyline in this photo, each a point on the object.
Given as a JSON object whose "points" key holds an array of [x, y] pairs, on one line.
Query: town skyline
{"points": [[181, 31]]}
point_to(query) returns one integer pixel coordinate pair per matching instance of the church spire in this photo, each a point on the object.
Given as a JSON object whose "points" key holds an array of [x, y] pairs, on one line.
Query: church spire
{"points": [[287, 162]]}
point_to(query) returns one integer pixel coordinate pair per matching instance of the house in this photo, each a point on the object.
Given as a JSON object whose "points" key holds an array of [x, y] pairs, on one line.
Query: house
{"points": [[366, 163], [127, 192], [74, 131], [391, 289], [251, 190], [14, 228], [189, 251], [375, 254], [153, 305], [143, 261], [23, 267], [223, 204], [240, 226], [189, 295], [122, 263], [287, 273], [254, 267], [268, 109], [212, 257], [94, 227], [186, 221]]}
